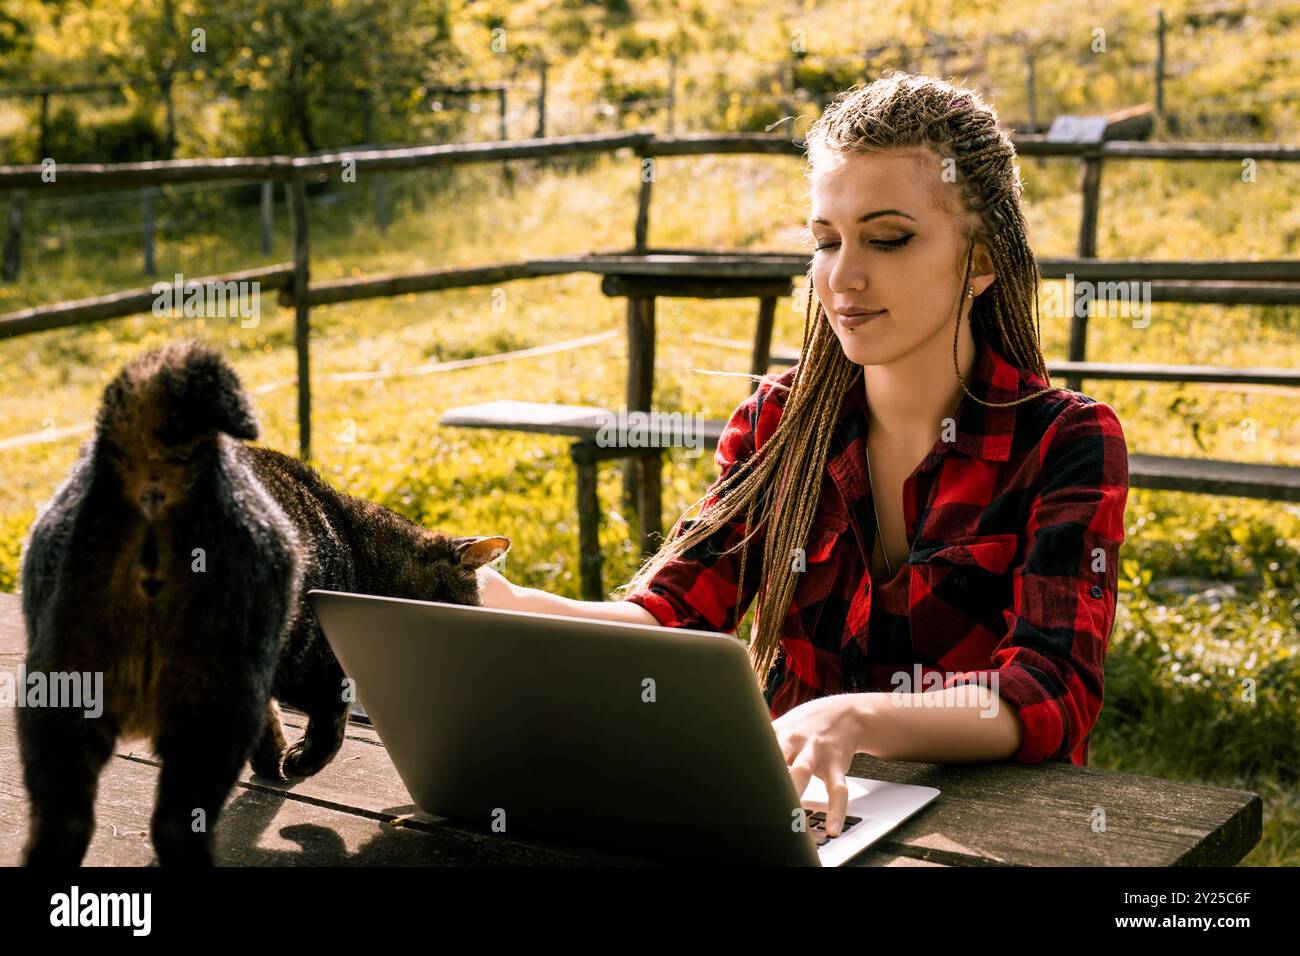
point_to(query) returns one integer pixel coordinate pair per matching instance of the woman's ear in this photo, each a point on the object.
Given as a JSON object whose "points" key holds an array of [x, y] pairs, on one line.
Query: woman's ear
{"points": [[982, 273]]}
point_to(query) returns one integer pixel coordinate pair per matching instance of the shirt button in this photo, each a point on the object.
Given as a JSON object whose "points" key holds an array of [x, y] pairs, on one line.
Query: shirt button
{"points": [[1095, 591]]}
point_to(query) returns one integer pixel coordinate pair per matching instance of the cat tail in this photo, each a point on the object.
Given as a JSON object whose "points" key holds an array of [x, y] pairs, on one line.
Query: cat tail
{"points": [[194, 389]]}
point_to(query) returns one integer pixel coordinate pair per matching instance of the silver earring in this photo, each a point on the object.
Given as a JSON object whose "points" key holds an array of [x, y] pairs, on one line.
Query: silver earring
{"points": [[970, 292]]}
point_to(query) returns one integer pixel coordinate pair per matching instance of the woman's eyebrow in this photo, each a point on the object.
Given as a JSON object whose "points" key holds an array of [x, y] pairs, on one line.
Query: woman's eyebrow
{"points": [[867, 216]]}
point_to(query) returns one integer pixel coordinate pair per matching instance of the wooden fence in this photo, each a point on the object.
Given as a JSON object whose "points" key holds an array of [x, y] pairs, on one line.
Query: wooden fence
{"points": [[1218, 281]]}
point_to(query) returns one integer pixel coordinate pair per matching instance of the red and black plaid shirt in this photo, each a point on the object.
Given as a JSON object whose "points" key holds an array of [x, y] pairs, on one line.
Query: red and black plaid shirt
{"points": [[1015, 531]]}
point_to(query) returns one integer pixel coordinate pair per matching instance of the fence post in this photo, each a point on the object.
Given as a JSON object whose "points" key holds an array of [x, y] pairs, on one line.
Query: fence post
{"points": [[1090, 188], [268, 214], [1031, 87], [1160, 64], [381, 211], [147, 210], [14, 238], [171, 116], [541, 101], [789, 78], [43, 146], [643, 204], [169, 19], [507, 171], [302, 309], [672, 94]]}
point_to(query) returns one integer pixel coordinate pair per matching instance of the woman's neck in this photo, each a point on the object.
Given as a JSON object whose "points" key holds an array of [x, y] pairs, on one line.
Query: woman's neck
{"points": [[913, 395]]}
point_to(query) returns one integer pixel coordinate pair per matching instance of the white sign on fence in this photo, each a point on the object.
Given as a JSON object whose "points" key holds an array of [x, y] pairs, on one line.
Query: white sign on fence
{"points": [[1077, 129]]}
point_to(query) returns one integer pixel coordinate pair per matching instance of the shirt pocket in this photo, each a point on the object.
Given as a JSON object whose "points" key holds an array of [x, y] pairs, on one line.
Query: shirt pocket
{"points": [[990, 553], [814, 584], [960, 591]]}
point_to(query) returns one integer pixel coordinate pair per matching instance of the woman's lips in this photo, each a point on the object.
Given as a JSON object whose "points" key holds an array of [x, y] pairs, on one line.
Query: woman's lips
{"points": [[853, 320]]}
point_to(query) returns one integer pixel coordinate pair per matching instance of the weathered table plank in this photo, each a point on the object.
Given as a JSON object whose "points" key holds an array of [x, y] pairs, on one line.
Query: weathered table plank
{"points": [[987, 814]]}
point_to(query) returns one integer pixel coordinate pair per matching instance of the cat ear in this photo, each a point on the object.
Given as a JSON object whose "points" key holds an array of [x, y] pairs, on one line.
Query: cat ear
{"points": [[475, 552]]}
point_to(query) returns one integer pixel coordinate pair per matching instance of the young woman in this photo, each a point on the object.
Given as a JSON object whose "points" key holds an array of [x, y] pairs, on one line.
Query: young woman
{"points": [[946, 590]]}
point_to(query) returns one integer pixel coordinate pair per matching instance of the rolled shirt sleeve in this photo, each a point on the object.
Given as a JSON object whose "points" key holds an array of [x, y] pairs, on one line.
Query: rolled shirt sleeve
{"points": [[1050, 663]]}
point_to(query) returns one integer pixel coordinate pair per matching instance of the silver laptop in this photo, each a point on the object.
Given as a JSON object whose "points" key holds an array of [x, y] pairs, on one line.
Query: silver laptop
{"points": [[638, 738]]}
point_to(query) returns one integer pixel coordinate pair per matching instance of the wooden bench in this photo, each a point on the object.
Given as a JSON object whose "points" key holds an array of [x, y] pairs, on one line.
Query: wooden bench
{"points": [[357, 812], [585, 423]]}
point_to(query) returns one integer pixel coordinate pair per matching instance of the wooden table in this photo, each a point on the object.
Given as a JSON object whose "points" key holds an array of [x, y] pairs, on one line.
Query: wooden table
{"points": [[642, 277], [356, 811]]}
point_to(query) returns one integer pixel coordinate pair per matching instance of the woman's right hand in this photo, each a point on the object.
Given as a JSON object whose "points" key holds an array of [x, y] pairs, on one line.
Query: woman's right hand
{"points": [[494, 589], [496, 592]]}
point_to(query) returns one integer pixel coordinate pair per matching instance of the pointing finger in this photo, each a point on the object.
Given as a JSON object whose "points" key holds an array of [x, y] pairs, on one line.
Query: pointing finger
{"points": [[837, 792]]}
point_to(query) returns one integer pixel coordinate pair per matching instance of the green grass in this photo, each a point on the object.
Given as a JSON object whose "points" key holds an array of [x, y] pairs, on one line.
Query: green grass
{"points": [[1174, 704]]}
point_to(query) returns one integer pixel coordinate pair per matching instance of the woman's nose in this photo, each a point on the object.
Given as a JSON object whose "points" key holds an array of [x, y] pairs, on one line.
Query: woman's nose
{"points": [[847, 274]]}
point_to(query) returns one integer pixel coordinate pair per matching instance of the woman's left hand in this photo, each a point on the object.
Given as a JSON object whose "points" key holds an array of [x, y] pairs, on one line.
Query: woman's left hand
{"points": [[819, 739]]}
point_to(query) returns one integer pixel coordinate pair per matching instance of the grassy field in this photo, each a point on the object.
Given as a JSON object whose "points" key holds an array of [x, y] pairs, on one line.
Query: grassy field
{"points": [[1212, 585]]}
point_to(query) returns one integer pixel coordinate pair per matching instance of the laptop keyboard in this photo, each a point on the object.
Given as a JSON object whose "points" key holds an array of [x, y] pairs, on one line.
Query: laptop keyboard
{"points": [[816, 822]]}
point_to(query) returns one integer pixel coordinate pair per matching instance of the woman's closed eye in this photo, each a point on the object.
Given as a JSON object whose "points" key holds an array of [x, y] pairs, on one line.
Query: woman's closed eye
{"points": [[884, 244]]}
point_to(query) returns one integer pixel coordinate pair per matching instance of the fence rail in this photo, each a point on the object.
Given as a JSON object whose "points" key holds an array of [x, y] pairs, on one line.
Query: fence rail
{"points": [[1274, 282]]}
